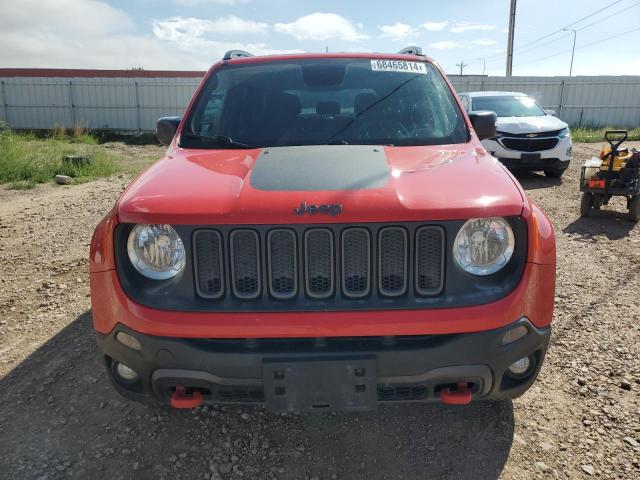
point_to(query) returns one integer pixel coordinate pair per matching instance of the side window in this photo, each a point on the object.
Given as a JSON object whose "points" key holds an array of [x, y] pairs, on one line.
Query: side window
{"points": [[465, 102]]}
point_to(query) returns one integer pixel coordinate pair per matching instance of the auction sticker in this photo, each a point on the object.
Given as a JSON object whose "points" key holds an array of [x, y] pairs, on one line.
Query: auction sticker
{"points": [[398, 66]]}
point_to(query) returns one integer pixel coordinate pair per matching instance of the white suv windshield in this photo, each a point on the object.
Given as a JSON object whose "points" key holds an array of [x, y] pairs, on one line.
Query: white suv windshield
{"points": [[506, 106], [325, 101]]}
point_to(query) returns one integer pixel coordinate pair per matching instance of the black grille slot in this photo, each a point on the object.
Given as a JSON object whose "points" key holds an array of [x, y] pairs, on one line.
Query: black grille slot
{"points": [[356, 262], [529, 145], [209, 271], [283, 268], [245, 264], [399, 393], [392, 261], [429, 260], [319, 262]]}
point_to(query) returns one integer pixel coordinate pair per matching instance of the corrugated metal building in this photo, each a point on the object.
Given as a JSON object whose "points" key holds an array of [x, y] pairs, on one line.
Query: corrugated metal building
{"points": [[129, 100]]}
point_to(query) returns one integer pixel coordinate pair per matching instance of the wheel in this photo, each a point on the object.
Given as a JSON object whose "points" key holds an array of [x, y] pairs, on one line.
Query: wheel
{"points": [[555, 173], [585, 204], [597, 202], [634, 208]]}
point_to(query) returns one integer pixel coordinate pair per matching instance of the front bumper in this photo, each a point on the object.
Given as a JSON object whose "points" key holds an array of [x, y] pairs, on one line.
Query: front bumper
{"points": [[557, 158], [407, 368]]}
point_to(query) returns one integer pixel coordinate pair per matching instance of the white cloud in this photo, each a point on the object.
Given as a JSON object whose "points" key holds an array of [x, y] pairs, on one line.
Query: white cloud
{"points": [[398, 31], [460, 27], [446, 45], [188, 32], [483, 42], [322, 26], [435, 26], [92, 34], [32, 15]]}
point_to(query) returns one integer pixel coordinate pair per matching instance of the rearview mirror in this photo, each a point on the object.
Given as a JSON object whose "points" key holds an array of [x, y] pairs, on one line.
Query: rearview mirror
{"points": [[550, 112], [166, 128], [484, 123]]}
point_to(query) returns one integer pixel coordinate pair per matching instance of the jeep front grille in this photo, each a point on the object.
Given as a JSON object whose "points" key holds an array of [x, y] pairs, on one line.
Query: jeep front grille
{"points": [[318, 263]]}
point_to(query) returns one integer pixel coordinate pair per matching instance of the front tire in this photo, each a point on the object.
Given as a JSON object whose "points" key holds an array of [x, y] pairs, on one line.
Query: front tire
{"points": [[634, 208], [585, 204], [555, 173]]}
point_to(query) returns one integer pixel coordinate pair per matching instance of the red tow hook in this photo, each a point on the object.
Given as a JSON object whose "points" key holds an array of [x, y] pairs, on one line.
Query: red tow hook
{"points": [[180, 398], [461, 396]]}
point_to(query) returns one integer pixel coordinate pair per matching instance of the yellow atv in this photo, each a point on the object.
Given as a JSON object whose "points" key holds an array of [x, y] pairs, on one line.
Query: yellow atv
{"points": [[616, 173]]}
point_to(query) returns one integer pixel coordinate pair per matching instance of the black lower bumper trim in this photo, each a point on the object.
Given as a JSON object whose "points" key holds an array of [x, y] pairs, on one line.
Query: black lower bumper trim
{"points": [[407, 368]]}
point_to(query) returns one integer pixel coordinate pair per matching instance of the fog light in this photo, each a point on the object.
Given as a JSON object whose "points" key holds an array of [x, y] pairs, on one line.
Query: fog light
{"points": [[126, 373], [516, 333], [521, 366], [128, 341]]}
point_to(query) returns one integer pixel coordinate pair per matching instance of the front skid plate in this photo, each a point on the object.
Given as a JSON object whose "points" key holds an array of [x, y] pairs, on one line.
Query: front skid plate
{"points": [[312, 385]]}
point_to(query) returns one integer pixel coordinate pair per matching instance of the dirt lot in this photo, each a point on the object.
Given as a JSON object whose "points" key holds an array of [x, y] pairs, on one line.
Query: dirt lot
{"points": [[60, 419]]}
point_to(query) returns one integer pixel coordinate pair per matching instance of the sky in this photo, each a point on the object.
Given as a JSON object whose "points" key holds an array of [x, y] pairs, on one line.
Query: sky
{"points": [[194, 34]]}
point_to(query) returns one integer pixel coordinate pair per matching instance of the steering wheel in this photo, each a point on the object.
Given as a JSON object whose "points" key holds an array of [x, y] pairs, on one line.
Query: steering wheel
{"points": [[381, 128]]}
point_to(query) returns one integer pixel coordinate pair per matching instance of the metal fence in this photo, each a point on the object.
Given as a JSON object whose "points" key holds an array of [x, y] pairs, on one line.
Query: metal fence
{"points": [[134, 103]]}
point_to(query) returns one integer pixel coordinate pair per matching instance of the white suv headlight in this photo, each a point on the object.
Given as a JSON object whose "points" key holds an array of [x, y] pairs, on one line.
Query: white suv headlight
{"points": [[484, 245], [564, 133], [156, 251]]}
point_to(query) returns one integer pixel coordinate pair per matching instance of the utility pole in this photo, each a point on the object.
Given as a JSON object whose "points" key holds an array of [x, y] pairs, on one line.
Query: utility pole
{"points": [[484, 65], [573, 50], [461, 65], [512, 28]]}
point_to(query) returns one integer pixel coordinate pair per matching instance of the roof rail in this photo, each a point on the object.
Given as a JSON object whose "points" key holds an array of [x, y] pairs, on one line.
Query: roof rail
{"points": [[411, 50], [231, 54]]}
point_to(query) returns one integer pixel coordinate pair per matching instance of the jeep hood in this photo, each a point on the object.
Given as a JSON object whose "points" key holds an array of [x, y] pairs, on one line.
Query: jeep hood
{"points": [[371, 183]]}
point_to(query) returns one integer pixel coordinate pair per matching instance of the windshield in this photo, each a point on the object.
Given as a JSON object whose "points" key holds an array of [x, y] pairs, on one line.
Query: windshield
{"points": [[505, 106], [325, 101]]}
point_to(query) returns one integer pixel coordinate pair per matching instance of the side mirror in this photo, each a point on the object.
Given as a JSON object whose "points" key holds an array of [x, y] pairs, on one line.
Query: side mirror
{"points": [[484, 123], [550, 112], [166, 128]]}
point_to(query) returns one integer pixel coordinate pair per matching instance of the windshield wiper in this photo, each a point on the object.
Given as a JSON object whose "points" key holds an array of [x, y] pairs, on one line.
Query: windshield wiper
{"points": [[219, 140]]}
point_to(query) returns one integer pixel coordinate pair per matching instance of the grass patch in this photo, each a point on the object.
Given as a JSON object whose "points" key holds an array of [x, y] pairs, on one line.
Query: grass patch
{"points": [[26, 160], [596, 135]]}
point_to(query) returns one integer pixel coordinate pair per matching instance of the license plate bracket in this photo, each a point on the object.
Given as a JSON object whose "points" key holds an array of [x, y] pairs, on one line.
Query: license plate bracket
{"points": [[314, 385], [530, 157]]}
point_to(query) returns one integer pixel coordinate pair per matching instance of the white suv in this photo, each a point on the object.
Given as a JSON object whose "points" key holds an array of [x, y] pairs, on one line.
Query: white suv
{"points": [[528, 137]]}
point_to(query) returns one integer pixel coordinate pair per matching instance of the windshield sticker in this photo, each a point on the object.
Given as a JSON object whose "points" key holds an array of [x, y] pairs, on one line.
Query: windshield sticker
{"points": [[398, 66]]}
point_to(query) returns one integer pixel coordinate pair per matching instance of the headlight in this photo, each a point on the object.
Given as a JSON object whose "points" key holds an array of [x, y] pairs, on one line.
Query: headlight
{"points": [[483, 245], [156, 251], [564, 133]]}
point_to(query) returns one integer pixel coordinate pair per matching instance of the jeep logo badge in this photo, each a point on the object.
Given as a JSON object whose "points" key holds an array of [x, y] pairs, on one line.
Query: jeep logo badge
{"points": [[332, 209]]}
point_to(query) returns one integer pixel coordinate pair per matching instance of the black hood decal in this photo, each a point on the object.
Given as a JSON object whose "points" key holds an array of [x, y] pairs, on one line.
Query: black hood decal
{"points": [[321, 167]]}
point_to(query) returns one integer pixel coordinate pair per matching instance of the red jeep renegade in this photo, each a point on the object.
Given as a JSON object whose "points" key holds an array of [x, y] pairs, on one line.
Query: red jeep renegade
{"points": [[324, 232]]}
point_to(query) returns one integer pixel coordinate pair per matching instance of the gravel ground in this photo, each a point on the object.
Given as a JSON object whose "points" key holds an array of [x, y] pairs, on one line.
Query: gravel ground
{"points": [[59, 418]]}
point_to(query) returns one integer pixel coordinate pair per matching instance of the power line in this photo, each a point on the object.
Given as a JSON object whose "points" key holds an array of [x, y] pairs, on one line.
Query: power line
{"points": [[582, 46], [560, 30], [499, 57], [609, 16], [571, 24]]}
